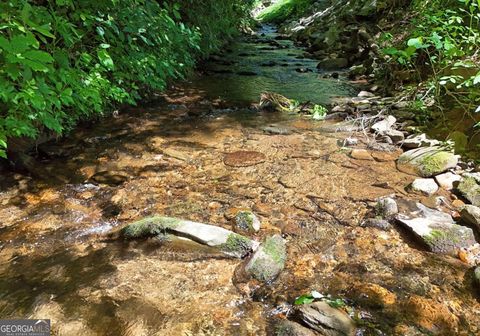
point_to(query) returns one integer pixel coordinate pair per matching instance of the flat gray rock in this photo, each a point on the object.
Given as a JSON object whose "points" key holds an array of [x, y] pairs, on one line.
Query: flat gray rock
{"points": [[385, 125], [227, 241], [437, 230], [326, 320], [447, 180], [426, 161], [471, 215], [426, 186]]}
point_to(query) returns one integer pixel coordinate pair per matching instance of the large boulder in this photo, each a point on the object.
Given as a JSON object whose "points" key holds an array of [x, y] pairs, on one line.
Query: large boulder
{"points": [[268, 261], [469, 188], [326, 320], [437, 230], [426, 161], [227, 241]]}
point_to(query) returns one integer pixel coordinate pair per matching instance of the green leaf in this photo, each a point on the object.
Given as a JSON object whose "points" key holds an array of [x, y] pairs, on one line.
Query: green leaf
{"points": [[40, 56], [304, 299], [105, 59]]}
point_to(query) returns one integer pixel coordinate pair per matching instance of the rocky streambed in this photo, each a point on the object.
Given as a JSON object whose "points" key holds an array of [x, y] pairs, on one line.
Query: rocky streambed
{"points": [[361, 224]]}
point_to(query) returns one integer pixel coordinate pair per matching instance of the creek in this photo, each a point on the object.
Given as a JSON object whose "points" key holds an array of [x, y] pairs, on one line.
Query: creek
{"points": [[167, 157]]}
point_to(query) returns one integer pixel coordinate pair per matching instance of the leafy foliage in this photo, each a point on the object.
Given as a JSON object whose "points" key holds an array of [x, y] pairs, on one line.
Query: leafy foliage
{"points": [[443, 49], [67, 60], [284, 9]]}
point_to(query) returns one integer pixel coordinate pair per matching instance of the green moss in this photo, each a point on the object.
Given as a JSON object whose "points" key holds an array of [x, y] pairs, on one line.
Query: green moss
{"points": [[435, 163], [275, 248], [149, 227], [470, 189], [244, 220], [283, 10], [237, 244]]}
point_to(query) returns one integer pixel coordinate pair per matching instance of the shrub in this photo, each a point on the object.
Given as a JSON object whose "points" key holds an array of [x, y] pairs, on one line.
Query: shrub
{"points": [[65, 60]]}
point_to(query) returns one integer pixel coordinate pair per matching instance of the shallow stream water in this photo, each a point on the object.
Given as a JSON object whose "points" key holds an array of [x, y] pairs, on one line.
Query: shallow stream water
{"points": [[58, 261]]}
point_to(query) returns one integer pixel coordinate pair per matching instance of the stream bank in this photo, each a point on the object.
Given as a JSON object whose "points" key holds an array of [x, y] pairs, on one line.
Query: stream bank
{"points": [[184, 157]]}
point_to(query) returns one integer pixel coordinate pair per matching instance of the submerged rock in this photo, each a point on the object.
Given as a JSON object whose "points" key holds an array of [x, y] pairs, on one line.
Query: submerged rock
{"points": [[437, 230], [386, 207], [268, 260], [377, 223], [333, 63], [326, 320], [247, 221], [290, 328], [111, 178], [361, 154], [227, 241], [469, 188], [277, 130], [244, 158], [426, 186], [471, 215], [426, 162]]}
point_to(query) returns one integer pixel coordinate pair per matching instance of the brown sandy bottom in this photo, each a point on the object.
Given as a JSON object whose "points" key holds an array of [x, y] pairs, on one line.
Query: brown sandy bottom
{"points": [[57, 263]]}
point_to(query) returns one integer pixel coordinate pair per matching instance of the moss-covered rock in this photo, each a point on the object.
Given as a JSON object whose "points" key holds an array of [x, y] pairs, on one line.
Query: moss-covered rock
{"points": [[247, 221], [269, 260], [227, 241], [437, 230], [469, 188], [237, 245], [426, 161], [149, 227]]}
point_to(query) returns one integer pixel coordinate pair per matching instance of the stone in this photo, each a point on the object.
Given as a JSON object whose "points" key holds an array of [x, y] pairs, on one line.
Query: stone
{"points": [[377, 223], [386, 207], [290, 328], [111, 178], [476, 273], [395, 135], [471, 215], [437, 230], [243, 158], [247, 221], [469, 188], [426, 186], [336, 116], [357, 70], [426, 161], [326, 320], [470, 255], [381, 127], [268, 260], [447, 180], [333, 63], [361, 154], [276, 130], [228, 242], [417, 141], [365, 94], [348, 142]]}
